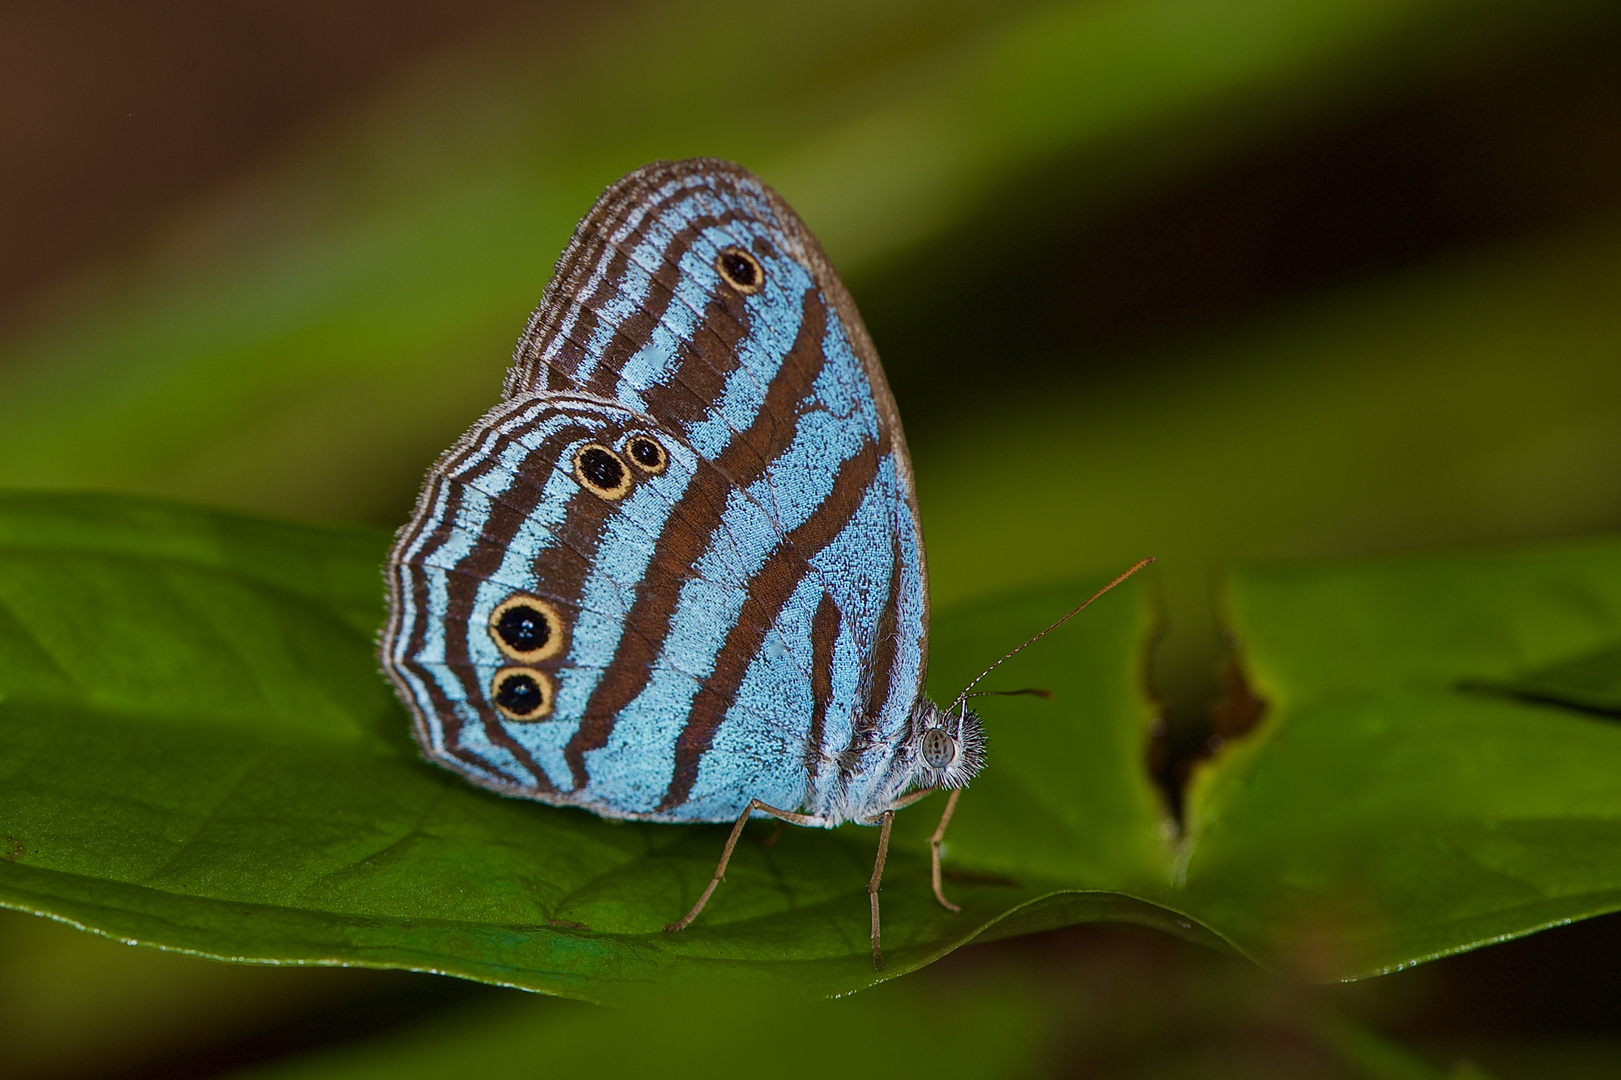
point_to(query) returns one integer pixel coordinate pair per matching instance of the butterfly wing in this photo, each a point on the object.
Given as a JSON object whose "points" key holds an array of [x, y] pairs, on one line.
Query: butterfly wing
{"points": [[749, 622]]}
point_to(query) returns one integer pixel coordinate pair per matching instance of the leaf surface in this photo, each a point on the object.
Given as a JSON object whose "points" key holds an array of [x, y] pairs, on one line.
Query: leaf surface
{"points": [[1441, 763], [200, 754]]}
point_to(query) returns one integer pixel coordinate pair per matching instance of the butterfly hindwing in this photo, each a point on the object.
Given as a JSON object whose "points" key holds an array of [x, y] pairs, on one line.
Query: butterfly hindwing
{"points": [[746, 620]]}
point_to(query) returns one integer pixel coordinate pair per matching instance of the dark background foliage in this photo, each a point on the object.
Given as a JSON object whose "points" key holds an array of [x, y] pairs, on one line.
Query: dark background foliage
{"points": [[1358, 307]]}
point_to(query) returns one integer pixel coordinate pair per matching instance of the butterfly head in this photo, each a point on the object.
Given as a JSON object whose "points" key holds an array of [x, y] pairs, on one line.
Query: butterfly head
{"points": [[948, 746]]}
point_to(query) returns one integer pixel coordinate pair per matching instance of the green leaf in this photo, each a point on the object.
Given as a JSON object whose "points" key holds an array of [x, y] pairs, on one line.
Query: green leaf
{"points": [[200, 754], [1405, 797]]}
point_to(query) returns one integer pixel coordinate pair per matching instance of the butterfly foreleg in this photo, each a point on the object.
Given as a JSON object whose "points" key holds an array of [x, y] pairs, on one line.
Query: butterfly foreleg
{"points": [[934, 850], [937, 839], [885, 820], [726, 855]]}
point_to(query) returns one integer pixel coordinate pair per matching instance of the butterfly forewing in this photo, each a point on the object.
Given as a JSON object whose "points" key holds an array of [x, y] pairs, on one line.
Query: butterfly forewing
{"points": [[745, 617]]}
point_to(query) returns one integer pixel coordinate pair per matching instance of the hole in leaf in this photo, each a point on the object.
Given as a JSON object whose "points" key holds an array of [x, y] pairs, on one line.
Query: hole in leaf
{"points": [[1174, 752]]}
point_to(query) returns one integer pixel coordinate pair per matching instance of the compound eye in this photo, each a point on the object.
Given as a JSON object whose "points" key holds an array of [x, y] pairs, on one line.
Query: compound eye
{"points": [[527, 628], [522, 693], [648, 454], [599, 470], [939, 749], [740, 270]]}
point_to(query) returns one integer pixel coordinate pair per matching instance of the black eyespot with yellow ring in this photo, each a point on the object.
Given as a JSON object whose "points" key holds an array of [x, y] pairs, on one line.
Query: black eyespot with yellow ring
{"points": [[527, 628], [599, 470], [522, 693], [647, 454], [740, 270]]}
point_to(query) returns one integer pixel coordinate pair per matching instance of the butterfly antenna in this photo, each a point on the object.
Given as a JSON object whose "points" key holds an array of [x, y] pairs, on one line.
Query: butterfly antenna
{"points": [[963, 697]]}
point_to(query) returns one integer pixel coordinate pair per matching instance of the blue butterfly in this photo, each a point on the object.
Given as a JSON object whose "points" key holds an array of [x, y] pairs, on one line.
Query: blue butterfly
{"points": [[677, 574]]}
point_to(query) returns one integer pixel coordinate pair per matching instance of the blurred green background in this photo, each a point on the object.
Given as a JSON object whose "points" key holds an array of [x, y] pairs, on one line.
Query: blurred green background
{"points": [[1253, 278]]}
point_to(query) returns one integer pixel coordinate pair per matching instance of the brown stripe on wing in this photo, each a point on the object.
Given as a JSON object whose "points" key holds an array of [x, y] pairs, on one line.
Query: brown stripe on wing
{"points": [[574, 551], [704, 359], [567, 605], [479, 440], [410, 580], [684, 538], [472, 457], [771, 589], [774, 428], [886, 643], [508, 511], [885, 651], [566, 565], [573, 293], [570, 279], [473, 766], [687, 533], [708, 355], [751, 451], [824, 636]]}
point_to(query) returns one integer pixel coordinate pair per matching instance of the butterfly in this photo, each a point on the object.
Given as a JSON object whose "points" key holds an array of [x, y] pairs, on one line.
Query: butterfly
{"points": [[677, 574]]}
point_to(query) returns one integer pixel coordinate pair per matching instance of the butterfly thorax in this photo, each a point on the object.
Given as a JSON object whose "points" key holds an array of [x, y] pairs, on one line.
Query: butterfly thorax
{"points": [[936, 748]]}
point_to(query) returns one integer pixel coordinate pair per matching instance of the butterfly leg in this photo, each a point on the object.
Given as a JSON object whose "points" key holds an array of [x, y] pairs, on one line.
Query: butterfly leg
{"points": [[934, 850], [885, 821], [726, 855]]}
